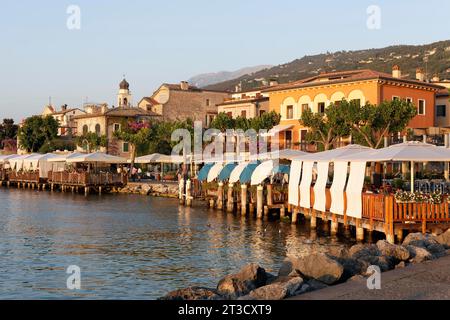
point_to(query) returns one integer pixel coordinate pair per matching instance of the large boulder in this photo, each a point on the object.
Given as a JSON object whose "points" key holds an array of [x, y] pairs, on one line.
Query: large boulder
{"points": [[419, 239], [437, 250], [359, 251], [444, 239], [277, 290], [192, 293], [398, 252], [353, 267], [419, 254], [321, 267], [249, 278]]}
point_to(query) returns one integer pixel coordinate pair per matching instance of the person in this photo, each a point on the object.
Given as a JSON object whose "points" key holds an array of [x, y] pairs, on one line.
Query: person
{"points": [[139, 174], [133, 173]]}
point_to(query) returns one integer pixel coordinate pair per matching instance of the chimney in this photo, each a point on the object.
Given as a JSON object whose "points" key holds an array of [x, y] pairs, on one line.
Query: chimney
{"points": [[273, 82], [64, 107], [184, 85], [104, 108], [396, 72], [436, 78], [420, 75]]}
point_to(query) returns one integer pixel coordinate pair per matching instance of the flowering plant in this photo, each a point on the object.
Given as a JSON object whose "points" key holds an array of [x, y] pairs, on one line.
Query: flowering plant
{"points": [[435, 198], [403, 196], [420, 197]]}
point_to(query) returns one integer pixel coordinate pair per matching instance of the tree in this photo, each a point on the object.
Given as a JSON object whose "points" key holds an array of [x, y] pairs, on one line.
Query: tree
{"points": [[136, 134], [371, 123], [327, 128], [266, 121], [37, 131], [8, 130], [223, 122], [91, 141]]}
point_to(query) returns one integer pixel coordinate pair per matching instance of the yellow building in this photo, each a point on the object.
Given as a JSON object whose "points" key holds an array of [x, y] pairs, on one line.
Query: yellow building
{"points": [[364, 86]]}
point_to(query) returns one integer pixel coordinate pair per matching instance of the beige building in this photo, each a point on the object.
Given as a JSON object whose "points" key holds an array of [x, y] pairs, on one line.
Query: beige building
{"points": [[182, 101], [247, 104], [66, 118], [105, 121]]}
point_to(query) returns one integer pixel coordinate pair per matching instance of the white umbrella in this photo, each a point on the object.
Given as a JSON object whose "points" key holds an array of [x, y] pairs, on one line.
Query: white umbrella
{"points": [[261, 172], [287, 154], [411, 151], [331, 155], [215, 171], [64, 157], [236, 173], [6, 158], [17, 162], [96, 157]]}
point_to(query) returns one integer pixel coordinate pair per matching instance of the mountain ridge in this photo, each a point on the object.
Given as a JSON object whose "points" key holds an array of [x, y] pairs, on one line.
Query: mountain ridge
{"points": [[433, 58]]}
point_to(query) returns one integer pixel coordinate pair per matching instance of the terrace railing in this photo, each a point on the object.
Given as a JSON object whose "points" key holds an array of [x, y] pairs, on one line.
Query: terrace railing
{"points": [[87, 178]]}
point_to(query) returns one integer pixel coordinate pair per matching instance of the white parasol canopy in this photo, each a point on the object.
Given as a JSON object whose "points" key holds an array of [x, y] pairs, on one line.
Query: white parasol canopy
{"points": [[236, 173], [96, 157], [261, 172], [288, 154], [64, 157], [331, 155], [215, 171], [6, 158], [161, 158], [17, 163]]}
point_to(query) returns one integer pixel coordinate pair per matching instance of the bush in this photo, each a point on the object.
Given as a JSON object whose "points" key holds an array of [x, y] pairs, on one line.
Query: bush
{"points": [[398, 183]]}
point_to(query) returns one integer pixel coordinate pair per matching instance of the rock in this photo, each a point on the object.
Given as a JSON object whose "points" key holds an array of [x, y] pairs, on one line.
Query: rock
{"points": [[385, 263], [444, 239], [437, 250], [315, 285], [352, 267], [247, 279], [338, 252], [419, 254], [273, 291], [419, 240], [321, 267], [363, 250], [192, 293], [287, 266], [358, 278], [401, 265], [398, 252]]}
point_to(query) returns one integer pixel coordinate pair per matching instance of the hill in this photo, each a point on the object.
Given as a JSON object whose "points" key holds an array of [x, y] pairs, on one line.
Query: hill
{"points": [[434, 58]]}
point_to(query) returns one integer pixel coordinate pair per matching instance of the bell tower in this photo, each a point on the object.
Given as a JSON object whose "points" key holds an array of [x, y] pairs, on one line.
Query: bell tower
{"points": [[124, 96]]}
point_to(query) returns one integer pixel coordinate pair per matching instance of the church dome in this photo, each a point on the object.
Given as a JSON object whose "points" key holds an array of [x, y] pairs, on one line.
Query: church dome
{"points": [[124, 85]]}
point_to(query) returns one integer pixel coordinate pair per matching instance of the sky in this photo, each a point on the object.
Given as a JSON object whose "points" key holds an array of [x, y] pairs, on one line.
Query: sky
{"points": [[152, 42]]}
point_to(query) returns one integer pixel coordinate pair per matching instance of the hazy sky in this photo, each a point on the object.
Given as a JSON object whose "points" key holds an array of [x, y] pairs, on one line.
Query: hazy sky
{"points": [[168, 41]]}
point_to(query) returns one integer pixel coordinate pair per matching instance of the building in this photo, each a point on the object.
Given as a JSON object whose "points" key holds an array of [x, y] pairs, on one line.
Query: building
{"points": [[182, 101], [364, 86], [247, 104], [105, 121], [66, 119]]}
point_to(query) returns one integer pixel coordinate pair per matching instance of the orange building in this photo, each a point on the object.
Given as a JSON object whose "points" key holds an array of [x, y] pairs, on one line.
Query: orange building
{"points": [[365, 86]]}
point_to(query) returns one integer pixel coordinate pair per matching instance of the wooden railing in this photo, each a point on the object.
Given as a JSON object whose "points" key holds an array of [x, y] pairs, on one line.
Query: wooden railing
{"points": [[373, 206], [86, 178], [417, 212], [29, 177]]}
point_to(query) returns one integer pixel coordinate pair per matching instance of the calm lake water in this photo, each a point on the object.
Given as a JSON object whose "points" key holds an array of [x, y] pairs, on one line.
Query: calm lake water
{"points": [[131, 246]]}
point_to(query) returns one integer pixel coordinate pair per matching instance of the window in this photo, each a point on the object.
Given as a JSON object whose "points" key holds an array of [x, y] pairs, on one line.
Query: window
{"points": [[290, 112], [288, 138], [357, 101], [85, 129], [261, 112], [97, 129], [207, 102], [440, 111], [395, 98], [305, 106], [321, 107], [337, 103], [230, 114], [410, 100], [244, 114], [421, 107], [116, 127], [126, 147]]}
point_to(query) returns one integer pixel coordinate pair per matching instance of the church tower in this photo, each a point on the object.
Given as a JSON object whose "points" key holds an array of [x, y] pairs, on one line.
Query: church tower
{"points": [[124, 96]]}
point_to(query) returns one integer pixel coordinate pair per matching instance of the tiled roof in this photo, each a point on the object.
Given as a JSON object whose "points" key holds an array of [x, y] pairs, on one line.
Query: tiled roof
{"points": [[150, 100], [67, 111], [177, 87], [346, 76], [244, 100]]}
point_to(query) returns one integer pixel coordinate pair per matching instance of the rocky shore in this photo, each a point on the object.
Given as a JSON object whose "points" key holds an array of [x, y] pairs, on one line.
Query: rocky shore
{"points": [[168, 190], [319, 270]]}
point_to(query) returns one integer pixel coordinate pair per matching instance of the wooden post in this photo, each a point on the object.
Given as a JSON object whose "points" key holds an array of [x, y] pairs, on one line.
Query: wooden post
{"points": [[180, 190], [211, 203], [359, 230], [243, 199], [334, 225], [282, 212], [399, 235], [230, 198], [259, 201], [220, 196], [266, 211], [99, 190], [313, 219], [294, 216], [269, 194], [188, 193], [86, 191]]}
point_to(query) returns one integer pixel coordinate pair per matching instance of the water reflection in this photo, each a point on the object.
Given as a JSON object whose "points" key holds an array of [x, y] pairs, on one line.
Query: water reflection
{"points": [[132, 246]]}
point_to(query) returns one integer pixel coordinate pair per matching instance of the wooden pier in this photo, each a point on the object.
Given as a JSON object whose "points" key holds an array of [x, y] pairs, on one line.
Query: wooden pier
{"points": [[380, 212], [65, 181]]}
